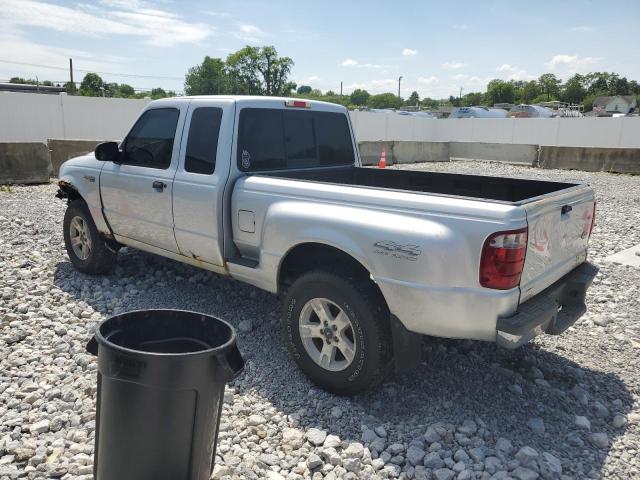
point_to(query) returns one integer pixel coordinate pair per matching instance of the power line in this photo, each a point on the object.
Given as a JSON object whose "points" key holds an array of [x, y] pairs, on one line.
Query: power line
{"points": [[129, 75]]}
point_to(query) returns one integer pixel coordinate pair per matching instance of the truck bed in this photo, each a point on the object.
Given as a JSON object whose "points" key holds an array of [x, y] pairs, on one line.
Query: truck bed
{"points": [[512, 190]]}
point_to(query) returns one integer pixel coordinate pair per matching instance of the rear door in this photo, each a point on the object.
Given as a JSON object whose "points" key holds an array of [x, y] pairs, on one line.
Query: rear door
{"points": [[203, 170], [136, 194], [559, 229]]}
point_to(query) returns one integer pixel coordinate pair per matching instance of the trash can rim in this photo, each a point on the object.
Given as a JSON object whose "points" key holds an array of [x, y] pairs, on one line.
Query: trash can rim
{"points": [[225, 346]]}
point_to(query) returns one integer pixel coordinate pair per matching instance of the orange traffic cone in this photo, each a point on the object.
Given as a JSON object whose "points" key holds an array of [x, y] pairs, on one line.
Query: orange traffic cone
{"points": [[383, 159]]}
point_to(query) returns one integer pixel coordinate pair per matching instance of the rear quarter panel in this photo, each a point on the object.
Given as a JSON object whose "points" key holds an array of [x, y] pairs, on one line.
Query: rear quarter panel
{"points": [[423, 251]]}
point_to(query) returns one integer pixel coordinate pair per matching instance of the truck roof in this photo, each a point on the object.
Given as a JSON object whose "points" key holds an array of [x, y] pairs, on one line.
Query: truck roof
{"points": [[254, 100]]}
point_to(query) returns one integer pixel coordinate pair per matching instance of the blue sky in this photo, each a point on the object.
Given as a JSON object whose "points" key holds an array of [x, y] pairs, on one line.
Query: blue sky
{"points": [[438, 47]]}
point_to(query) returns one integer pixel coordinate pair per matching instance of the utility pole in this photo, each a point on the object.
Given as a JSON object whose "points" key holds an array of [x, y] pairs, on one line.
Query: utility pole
{"points": [[399, 80], [340, 88], [73, 85]]}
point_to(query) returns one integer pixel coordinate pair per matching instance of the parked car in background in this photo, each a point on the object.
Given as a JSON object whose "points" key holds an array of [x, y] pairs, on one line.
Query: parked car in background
{"points": [[271, 191], [478, 112], [531, 111]]}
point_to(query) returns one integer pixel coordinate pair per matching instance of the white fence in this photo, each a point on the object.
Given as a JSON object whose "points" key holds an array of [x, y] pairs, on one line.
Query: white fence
{"points": [[32, 117], [621, 132], [28, 117]]}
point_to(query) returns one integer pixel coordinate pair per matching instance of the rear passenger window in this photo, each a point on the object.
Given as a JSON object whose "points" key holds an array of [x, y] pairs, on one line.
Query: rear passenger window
{"points": [[202, 142], [278, 139], [150, 142], [261, 140]]}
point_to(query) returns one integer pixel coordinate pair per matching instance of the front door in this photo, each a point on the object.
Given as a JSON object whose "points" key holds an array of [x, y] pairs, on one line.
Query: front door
{"points": [[136, 193]]}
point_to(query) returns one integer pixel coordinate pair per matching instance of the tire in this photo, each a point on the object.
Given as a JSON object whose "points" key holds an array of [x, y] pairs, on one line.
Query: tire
{"points": [[98, 257], [368, 337]]}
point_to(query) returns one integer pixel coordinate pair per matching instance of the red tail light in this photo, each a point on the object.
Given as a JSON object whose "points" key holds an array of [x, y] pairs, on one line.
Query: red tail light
{"points": [[502, 259]]}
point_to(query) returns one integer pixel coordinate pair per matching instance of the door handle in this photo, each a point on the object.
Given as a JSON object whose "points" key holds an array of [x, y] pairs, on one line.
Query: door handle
{"points": [[159, 185], [566, 209]]}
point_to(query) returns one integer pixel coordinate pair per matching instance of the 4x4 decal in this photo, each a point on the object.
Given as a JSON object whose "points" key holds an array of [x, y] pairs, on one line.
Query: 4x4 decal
{"points": [[397, 250]]}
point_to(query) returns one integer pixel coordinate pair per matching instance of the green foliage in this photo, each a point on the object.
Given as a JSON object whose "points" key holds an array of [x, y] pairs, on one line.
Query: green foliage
{"points": [[385, 100], [499, 91], [359, 97], [550, 85], [573, 90], [304, 89], [92, 85], [472, 99], [125, 90], [208, 78], [259, 71], [429, 103], [158, 93], [414, 99], [70, 88]]}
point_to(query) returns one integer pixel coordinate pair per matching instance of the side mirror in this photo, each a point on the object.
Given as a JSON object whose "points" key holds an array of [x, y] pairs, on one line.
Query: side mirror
{"points": [[107, 152]]}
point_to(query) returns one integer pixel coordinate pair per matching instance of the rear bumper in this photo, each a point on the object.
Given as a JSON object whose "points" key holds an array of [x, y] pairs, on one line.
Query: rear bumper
{"points": [[552, 311]]}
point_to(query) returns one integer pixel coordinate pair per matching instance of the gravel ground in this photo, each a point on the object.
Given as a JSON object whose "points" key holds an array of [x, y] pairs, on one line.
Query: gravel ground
{"points": [[561, 407]]}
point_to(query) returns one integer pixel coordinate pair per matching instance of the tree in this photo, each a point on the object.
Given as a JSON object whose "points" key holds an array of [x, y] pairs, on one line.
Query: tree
{"points": [[385, 100], [573, 90], [304, 89], [70, 88], [19, 80], [208, 78], [158, 93], [550, 85], [530, 90], [472, 98], [499, 91], [92, 85], [429, 102], [359, 96], [259, 71], [125, 90], [414, 99]]}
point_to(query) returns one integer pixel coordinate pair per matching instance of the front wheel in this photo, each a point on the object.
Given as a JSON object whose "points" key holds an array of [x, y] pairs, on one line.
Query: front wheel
{"points": [[337, 330], [87, 250]]}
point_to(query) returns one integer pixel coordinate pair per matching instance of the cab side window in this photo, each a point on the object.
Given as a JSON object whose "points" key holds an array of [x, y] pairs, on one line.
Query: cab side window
{"points": [[150, 142], [202, 143]]}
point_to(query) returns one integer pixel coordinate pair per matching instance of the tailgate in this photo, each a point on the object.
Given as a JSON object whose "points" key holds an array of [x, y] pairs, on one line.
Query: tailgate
{"points": [[559, 226]]}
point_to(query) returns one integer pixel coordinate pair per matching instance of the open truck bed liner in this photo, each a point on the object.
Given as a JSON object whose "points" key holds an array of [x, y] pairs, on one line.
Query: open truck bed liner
{"points": [[512, 190]]}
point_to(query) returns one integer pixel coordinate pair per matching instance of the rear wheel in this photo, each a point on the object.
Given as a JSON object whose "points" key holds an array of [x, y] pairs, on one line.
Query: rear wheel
{"points": [[87, 250], [337, 330]]}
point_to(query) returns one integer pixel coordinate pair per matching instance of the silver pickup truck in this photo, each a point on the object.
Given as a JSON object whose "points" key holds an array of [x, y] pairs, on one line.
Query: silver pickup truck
{"points": [[271, 191]]}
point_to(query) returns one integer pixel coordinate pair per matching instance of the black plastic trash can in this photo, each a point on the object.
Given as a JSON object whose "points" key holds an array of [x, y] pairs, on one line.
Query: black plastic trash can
{"points": [[161, 379]]}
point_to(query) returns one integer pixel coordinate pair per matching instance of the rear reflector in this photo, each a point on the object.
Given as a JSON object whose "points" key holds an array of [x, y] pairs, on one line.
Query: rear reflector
{"points": [[502, 259], [298, 103]]}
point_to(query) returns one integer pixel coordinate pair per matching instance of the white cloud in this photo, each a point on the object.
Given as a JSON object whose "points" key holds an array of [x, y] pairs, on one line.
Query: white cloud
{"points": [[407, 52], [428, 80], [453, 65], [459, 26], [460, 77], [350, 62], [582, 28], [156, 27], [17, 48], [249, 33], [514, 72], [566, 65]]}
